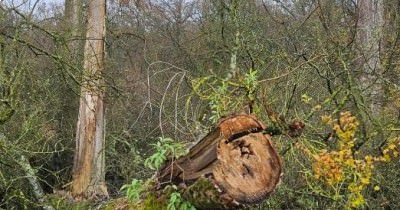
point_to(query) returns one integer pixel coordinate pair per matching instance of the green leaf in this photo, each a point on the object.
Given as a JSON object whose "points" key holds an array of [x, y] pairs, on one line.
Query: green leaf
{"points": [[133, 191], [164, 148]]}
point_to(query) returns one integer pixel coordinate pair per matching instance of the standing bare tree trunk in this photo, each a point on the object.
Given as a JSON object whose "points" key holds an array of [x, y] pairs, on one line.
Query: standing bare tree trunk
{"points": [[89, 169], [73, 22], [369, 34]]}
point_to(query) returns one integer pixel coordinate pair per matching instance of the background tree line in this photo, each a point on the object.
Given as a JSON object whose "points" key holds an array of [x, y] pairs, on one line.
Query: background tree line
{"points": [[172, 68]]}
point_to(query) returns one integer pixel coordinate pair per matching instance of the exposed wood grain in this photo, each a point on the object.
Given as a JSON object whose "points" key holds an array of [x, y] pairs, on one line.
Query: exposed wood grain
{"points": [[237, 158]]}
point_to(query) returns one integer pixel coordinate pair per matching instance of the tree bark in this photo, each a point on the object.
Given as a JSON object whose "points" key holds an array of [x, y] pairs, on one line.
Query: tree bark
{"points": [[73, 23], [369, 34], [236, 159], [34, 182], [89, 164]]}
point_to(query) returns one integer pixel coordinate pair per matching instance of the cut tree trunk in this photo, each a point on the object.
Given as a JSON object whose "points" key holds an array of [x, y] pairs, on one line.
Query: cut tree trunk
{"points": [[236, 160]]}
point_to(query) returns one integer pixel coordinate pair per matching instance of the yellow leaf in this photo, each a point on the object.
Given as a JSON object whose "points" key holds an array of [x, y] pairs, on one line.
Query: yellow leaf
{"points": [[385, 151], [317, 107], [365, 180], [358, 201], [395, 153], [386, 158]]}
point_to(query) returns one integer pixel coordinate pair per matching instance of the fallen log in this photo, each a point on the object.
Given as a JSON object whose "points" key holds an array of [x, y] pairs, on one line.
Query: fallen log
{"points": [[235, 165]]}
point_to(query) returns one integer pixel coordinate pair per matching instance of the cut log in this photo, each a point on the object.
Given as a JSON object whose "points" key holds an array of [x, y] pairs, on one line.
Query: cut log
{"points": [[236, 159]]}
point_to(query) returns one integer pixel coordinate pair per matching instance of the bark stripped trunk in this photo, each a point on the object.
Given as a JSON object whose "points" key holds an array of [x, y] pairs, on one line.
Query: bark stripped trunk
{"points": [[89, 170], [237, 159], [369, 34]]}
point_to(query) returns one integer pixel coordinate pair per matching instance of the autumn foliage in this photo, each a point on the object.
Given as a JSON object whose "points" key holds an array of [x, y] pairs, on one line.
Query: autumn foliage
{"points": [[342, 169]]}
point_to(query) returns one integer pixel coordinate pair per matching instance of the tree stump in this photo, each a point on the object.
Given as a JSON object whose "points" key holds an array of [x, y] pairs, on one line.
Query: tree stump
{"points": [[236, 160]]}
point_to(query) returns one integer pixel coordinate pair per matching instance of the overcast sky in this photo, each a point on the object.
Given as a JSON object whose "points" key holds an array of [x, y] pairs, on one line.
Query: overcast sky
{"points": [[30, 2], [55, 1], [27, 5]]}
